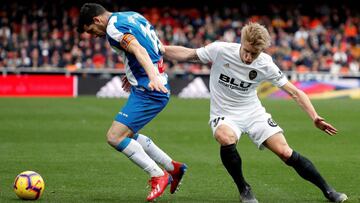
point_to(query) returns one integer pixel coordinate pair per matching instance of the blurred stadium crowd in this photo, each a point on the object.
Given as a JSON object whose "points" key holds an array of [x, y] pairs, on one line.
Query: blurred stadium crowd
{"points": [[317, 37]]}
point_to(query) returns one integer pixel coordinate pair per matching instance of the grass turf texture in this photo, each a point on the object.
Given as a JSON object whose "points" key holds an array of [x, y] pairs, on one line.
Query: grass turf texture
{"points": [[64, 141]]}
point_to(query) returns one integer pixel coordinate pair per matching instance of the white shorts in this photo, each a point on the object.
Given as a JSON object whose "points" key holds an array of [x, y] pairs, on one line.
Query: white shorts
{"points": [[258, 128]]}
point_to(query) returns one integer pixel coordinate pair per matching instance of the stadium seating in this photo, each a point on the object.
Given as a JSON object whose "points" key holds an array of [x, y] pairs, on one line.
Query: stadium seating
{"points": [[41, 36]]}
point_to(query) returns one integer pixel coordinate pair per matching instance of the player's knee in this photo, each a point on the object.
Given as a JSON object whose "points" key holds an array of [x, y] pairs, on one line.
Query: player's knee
{"points": [[285, 153], [224, 136], [113, 138]]}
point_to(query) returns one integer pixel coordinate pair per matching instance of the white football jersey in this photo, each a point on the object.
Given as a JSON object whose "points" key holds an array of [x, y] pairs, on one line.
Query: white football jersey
{"points": [[233, 83]]}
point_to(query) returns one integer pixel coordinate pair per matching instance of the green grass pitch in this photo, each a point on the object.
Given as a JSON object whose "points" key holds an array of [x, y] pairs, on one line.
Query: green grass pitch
{"points": [[64, 140]]}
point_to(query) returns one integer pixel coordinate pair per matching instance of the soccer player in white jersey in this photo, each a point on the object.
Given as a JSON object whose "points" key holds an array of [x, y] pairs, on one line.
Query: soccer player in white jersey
{"points": [[132, 36], [236, 71]]}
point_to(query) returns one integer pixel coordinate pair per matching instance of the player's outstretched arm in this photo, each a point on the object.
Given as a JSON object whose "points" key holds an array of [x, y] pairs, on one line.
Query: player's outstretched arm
{"points": [[144, 59], [180, 53], [304, 102]]}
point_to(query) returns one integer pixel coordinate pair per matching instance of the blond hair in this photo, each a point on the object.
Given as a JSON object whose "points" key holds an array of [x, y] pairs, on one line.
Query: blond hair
{"points": [[256, 35]]}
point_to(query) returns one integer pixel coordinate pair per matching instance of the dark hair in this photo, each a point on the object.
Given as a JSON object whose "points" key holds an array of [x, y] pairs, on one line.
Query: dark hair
{"points": [[87, 12]]}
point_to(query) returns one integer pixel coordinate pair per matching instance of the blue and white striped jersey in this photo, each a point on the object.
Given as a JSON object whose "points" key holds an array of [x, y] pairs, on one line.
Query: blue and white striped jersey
{"points": [[133, 23]]}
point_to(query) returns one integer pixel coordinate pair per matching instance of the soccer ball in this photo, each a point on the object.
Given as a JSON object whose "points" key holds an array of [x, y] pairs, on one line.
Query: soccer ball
{"points": [[29, 185]]}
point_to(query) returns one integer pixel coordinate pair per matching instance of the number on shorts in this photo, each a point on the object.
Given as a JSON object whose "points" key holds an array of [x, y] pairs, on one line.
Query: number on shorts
{"points": [[216, 120]]}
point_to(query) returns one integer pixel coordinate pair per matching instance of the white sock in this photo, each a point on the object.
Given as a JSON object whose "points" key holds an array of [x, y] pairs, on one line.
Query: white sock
{"points": [[154, 152], [136, 153]]}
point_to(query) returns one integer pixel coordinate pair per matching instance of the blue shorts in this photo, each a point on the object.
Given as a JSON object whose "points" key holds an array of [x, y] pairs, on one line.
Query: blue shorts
{"points": [[141, 107]]}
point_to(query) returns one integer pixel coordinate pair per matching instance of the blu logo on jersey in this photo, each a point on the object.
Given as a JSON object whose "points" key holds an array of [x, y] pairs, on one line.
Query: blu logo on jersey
{"points": [[231, 81]]}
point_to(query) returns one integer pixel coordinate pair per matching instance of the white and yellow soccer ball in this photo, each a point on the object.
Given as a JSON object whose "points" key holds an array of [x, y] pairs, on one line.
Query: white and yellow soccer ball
{"points": [[29, 185]]}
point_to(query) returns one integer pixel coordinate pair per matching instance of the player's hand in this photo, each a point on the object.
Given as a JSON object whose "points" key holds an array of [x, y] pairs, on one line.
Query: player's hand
{"points": [[324, 126], [162, 49], [156, 84], [125, 84]]}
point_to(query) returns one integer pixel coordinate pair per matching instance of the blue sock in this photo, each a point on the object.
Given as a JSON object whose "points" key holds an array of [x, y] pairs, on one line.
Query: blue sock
{"points": [[123, 144]]}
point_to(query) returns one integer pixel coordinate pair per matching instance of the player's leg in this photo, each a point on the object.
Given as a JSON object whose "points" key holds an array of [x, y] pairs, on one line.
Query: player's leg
{"points": [[118, 137], [303, 166], [176, 169], [139, 110], [158, 155], [227, 135]]}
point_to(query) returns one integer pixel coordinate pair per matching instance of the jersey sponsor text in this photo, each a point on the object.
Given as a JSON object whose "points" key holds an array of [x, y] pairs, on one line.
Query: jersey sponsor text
{"points": [[231, 83]]}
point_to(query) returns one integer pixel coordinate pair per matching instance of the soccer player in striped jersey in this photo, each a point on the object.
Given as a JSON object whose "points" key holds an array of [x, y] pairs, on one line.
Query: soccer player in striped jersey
{"points": [[134, 38], [236, 71]]}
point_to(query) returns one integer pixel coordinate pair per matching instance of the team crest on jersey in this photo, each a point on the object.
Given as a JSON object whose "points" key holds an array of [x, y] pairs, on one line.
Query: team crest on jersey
{"points": [[252, 74], [272, 123]]}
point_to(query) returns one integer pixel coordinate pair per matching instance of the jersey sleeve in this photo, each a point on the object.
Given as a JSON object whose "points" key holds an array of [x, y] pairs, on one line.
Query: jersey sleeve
{"points": [[113, 30], [275, 76], [126, 40], [125, 26], [208, 53], [121, 31]]}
